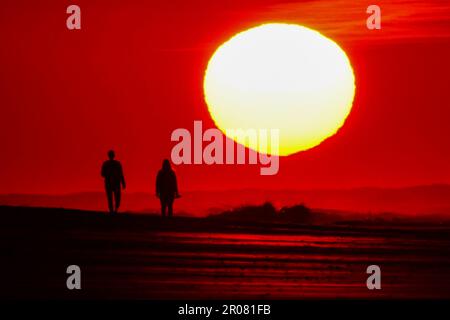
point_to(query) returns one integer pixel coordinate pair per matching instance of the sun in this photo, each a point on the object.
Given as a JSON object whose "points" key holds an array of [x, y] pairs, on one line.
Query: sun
{"points": [[280, 76]]}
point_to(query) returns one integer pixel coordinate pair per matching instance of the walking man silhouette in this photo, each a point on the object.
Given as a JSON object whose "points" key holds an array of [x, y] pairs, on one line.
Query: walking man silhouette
{"points": [[113, 174], [166, 188]]}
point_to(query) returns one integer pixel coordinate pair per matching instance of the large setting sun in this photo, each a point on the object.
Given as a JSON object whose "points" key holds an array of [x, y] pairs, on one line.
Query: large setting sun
{"points": [[280, 76]]}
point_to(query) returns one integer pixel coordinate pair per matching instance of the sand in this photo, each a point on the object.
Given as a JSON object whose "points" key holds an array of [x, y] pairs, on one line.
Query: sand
{"points": [[145, 257]]}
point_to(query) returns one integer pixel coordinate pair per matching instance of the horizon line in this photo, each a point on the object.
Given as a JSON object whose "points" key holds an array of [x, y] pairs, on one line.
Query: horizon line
{"points": [[354, 188]]}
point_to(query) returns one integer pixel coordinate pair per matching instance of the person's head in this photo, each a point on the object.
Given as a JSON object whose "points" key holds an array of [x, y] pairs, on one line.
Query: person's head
{"points": [[111, 154], [166, 165]]}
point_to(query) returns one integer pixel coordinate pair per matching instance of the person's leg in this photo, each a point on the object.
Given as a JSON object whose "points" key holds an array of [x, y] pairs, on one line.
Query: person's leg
{"points": [[170, 207], [117, 195], [163, 207], [109, 197]]}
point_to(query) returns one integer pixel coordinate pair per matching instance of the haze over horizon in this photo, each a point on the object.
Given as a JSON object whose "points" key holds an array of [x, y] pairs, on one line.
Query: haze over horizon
{"points": [[414, 201]]}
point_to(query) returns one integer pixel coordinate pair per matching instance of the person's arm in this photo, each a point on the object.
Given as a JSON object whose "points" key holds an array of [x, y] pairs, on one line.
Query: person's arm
{"points": [[122, 177]]}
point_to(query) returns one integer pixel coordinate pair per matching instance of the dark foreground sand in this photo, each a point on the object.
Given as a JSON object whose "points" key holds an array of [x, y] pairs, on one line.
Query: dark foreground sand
{"points": [[145, 257]]}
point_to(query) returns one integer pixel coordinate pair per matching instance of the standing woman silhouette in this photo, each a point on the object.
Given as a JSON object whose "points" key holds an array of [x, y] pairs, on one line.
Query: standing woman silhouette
{"points": [[166, 188]]}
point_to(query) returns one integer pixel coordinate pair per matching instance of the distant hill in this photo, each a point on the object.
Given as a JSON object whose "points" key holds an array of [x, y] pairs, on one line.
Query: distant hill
{"points": [[420, 200]]}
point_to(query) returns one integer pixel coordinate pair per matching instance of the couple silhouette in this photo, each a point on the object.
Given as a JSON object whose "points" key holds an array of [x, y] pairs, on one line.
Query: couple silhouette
{"points": [[166, 184]]}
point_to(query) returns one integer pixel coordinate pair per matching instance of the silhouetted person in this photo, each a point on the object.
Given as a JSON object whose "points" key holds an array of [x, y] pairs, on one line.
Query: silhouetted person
{"points": [[113, 174], [166, 188]]}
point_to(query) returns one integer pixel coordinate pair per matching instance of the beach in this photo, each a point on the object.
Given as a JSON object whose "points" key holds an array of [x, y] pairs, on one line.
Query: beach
{"points": [[131, 256]]}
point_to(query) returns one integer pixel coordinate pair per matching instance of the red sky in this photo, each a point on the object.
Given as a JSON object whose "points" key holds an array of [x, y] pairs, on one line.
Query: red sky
{"points": [[134, 73]]}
